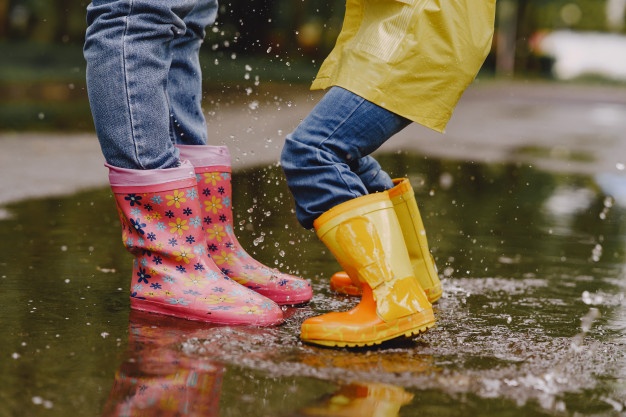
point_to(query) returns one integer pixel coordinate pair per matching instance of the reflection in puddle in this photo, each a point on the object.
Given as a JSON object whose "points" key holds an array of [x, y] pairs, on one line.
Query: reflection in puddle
{"points": [[532, 321]]}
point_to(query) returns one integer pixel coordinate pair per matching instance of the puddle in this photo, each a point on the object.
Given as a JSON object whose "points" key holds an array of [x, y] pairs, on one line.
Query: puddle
{"points": [[532, 322]]}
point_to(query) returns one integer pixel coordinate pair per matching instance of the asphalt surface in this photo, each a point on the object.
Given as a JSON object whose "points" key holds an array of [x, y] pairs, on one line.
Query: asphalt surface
{"points": [[554, 126]]}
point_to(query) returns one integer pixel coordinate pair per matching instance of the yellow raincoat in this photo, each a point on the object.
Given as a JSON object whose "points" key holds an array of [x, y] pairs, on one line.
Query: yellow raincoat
{"points": [[412, 57]]}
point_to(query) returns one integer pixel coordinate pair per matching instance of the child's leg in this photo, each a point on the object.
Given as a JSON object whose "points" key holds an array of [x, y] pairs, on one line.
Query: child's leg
{"points": [[128, 53], [326, 158], [184, 87]]}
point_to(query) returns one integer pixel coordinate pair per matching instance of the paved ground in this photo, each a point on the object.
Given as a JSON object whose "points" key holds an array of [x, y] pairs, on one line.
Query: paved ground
{"points": [[555, 126]]}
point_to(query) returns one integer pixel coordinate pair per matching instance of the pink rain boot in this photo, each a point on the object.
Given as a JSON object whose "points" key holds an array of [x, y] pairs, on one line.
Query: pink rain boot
{"points": [[158, 379], [213, 170], [172, 274]]}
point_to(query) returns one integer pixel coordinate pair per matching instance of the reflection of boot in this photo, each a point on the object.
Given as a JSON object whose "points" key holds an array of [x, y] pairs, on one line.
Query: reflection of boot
{"points": [[156, 379], [362, 400], [405, 206], [213, 170], [161, 226], [365, 237]]}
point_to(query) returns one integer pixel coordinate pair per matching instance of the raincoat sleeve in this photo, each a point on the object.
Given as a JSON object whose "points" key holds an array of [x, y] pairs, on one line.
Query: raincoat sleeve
{"points": [[412, 57]]}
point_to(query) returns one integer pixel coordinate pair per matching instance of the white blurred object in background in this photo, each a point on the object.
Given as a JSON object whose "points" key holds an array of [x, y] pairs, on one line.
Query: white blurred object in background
{"points": [[583, 53]]}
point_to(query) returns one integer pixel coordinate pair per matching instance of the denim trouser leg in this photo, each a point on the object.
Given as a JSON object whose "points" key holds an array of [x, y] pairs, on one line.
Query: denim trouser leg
{"points": [[327, 159], [184, 87], [129, 49]]}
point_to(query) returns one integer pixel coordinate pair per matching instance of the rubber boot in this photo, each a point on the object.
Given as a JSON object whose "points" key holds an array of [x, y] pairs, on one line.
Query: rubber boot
{"points": [[365, 237], [367, 399], [172, 274], [157, 379], [424, 268], [213, 171]]}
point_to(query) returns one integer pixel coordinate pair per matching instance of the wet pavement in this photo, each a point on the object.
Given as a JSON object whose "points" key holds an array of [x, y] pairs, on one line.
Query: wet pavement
{"points": [[525, 208], [564, 127]]}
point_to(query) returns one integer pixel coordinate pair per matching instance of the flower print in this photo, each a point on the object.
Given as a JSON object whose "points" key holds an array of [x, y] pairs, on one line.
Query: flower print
{"points": [[184, 254], [181, 269], [192, 292], [251, 310], [198, 267], [176, 198], [179, 301], [169, 214], [208, 220], [144, 262], [211, 178], [216, 232], [137, 226], [206, 192], [133, 199], [199, 250], [129, 242], [267, 305], [230, 245], [195, 221], [221, 308], [157, 199], [297, 285], [190, 239], [219, 299], [223, 218], [151, 294], [179, 226], [168, 293], [135, 212], [159, 246], [151, 237], [226, 201], [137, 287], [282, 282], [169, 279], [172, 242], [193, 280], [141, 242], [221, 190], [157, 260], [212, 247], [161, 226], [225, 175], [212, 276], [213, 205], [148, 207], [187, 211], [156, 215], [225, 271], [192, 193], [224, 258], [143, 276], [218, 289]]}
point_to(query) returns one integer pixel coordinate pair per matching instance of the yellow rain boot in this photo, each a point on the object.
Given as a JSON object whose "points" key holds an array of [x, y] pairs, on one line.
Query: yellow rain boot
{"points": [[364, 236], [405, 205], [366, 399]]}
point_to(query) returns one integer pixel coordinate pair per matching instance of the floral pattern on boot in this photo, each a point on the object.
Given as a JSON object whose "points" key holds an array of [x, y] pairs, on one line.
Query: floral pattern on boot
{"points": [[172, 272], [215, 193]]}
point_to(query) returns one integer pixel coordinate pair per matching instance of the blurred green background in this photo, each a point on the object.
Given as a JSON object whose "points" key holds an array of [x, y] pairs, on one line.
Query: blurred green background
{"points": [[42, 86]]}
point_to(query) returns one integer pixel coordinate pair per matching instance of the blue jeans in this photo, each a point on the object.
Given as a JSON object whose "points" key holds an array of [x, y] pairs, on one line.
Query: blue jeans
{"points": [[327, 159], [144, 79]]}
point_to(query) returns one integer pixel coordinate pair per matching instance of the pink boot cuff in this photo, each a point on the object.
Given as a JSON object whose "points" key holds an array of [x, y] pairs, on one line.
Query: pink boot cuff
{"points": [[205, 155], [122, 179]]}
